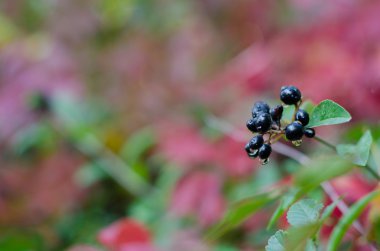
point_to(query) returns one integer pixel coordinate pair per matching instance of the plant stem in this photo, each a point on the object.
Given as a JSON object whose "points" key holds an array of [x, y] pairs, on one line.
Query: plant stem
{"points": [[324, 142], [331, 146]]}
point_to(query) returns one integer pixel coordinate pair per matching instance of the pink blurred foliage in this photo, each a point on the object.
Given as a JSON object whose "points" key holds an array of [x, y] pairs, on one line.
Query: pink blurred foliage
{"points": [[31, 196], [199, 194], [352, 188], [28, 67], [83, 248], [330, 58], [186, 146], [126, 235]]}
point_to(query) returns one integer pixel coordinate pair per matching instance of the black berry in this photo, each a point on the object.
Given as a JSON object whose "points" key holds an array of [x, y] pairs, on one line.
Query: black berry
{"points": [[294, 131], [276, 112], [309, 132], [259, 107], [263, 122], [251, 154], [265, 151], [290, 95], [303, 117], [251, 125], [256, 142]]}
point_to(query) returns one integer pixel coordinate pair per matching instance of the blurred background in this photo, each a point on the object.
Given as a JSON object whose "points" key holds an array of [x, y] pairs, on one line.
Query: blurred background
{"points": [[109, 112]]}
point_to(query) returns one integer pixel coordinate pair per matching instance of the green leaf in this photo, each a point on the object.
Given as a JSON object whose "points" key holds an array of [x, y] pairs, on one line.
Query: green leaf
{"points": [[308, 106], [328, 113], [287, 115], [328, 210], [276, 242], [140, 142], [285, 203], [298, 238], [348, 218], [319, 170], [239, 212], [20, 240], [304, 212], [359, 152]]}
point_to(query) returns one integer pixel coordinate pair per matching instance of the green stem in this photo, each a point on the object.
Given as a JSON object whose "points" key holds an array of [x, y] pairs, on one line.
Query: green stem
{"points": [[324, 142], [331, 146]]}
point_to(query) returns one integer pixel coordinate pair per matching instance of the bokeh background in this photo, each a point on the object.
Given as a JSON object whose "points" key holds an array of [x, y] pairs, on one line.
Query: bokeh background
{"points": [[109, 112]]}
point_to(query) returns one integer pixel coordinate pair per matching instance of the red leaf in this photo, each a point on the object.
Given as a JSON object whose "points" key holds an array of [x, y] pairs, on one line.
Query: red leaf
{"points": [[124, 235]]}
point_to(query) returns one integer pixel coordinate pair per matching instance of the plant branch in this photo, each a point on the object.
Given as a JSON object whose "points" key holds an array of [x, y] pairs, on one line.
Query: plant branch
{"points": [[333, 147]]}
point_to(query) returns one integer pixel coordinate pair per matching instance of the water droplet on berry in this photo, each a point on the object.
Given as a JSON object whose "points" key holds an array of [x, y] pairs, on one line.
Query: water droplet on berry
{"points": [[297, 142], [264, 161]]}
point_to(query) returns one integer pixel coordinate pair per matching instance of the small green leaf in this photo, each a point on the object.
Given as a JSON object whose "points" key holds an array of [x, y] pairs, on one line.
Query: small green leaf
{"points": [[239, 212], [304, 212], [287, 115], [359, 152], [347, 219], [276, 242], [328, 113], [286, 201], [298, 238], [320, 170], [308, 106], [328, 210]]}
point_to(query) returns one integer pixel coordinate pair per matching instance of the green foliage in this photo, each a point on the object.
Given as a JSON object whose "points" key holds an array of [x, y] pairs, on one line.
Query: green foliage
{"points": [[276, 242], [21, 240], [328, 113], [285, 203], [288, 113], [347, 219], [359, 153], [239, 212], [328, 210], [308, 106], [320, 170], [300, 238], [304, 212]]}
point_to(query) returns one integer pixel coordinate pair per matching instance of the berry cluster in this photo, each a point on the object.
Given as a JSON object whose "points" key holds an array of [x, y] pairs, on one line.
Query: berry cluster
{"points": [[266, 124]]}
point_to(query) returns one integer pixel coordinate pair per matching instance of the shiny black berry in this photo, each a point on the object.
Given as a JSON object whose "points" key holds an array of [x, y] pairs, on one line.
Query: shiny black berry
{"points": [[276, 112], [256, 142], [294, 131], [303, 117], [309, 132], [251, 154], [259, 107], [263, 122], [265, 151], [251, 125], [290, 95]]}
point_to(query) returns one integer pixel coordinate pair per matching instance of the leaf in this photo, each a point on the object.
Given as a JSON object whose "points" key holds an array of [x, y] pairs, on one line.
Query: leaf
{"points": [[320, 170], [308, 106], [136, 145], [359, 152], [328, 210], [239, 212], [304, 212], [287, 115], [328, 113], [298, 238], [348, 218], [285, 203], [276, 242]]}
